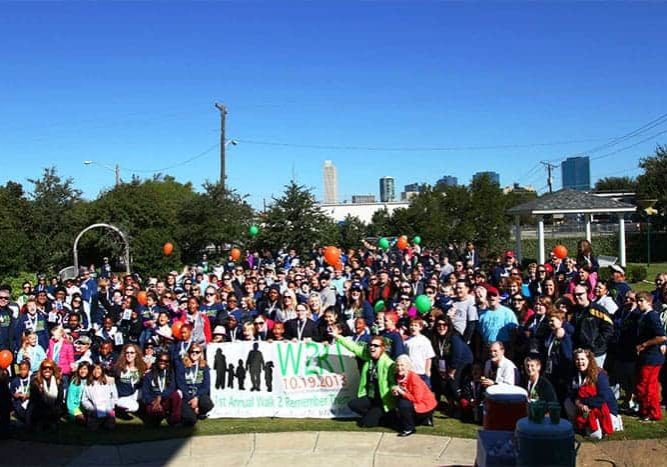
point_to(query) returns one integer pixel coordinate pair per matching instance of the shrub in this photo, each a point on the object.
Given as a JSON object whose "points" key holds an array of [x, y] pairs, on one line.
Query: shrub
{"points": [[637, 273]]}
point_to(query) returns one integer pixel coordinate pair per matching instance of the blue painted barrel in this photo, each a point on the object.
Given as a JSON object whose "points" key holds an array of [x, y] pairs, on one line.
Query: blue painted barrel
{"points": [[545, 443]]}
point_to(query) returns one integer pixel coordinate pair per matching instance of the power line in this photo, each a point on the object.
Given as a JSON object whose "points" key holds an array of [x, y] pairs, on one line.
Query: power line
{"points": [[410, 148], [186, 161], [629, 147], [634, 133]]}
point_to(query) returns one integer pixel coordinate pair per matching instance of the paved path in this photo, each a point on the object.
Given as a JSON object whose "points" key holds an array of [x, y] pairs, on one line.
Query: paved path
{"points": [[349, 449]]}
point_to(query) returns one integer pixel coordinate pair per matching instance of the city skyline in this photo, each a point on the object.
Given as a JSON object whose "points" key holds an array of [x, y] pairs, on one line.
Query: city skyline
{"points": [[93, 83]]}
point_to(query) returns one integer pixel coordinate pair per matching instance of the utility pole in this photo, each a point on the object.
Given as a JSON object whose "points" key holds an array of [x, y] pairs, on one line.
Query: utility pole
{"points": [[550, 179], [223, 114], [117, 172]]}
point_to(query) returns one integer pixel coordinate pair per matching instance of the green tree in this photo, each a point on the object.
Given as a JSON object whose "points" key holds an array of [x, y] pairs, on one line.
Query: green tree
{"points": [[652, 183], [148, 213], [217, 217], [615, 184], [352, 232], [295, 221], [381, 223], [14, 239], [487, 213], [54, 221]]}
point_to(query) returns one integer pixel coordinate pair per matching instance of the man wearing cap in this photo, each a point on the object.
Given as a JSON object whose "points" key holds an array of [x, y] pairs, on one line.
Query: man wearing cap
{"points": [[618, 288], [503, 270], [593, 327], [82, 352], [498, 322], [87, 285]]}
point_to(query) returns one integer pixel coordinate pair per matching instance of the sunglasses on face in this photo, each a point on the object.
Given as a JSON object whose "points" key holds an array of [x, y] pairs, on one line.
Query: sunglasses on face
{"points": [[130, 352], [210, 294], [166, 362], [374, 346], [195, 352]]}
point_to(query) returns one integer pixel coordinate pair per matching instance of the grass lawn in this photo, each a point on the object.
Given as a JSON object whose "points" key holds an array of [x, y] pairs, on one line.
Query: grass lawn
{"points": [[653, 270], [134, 431]]}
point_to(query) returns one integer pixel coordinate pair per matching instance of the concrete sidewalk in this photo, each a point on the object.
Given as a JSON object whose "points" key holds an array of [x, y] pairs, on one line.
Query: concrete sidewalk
{"points": [[349, 449]]}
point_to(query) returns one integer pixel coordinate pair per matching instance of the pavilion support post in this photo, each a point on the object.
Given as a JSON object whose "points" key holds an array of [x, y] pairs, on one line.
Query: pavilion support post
{"points": [[517, 236], [540, 240], [621, 239], [587, 218]]}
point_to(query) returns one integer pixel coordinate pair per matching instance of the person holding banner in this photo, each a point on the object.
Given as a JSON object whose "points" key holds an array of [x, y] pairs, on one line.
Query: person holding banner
{"points": [[377, 378]]}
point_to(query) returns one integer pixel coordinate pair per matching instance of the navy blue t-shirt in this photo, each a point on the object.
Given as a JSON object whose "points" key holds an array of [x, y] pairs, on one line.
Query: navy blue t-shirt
{"points": [[650, 327]]}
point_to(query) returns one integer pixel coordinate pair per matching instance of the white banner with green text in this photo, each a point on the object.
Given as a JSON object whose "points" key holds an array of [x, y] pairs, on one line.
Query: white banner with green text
{"points": [[282, 379]]}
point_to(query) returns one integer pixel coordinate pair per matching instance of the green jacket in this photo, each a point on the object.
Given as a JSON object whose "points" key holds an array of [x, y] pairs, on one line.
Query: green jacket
{"points": [[385, 369], [74, 394]]}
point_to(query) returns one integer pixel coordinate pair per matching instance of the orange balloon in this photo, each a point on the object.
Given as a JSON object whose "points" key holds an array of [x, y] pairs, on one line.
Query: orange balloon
{"points": [[332, 255], [142, 297], [6, 359], [339, 266], [168, 248], [235, 254], [176, 329], [402, 242], [560, 252]]}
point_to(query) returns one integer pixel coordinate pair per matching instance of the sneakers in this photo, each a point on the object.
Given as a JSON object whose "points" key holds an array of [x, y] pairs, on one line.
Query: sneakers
{"points": [[405, 433]]}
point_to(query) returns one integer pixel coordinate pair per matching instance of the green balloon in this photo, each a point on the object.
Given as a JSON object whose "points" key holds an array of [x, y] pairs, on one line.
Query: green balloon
{"points": [[417, 240], [423, 304], [379, 306], [383, 243], [254, 230]]}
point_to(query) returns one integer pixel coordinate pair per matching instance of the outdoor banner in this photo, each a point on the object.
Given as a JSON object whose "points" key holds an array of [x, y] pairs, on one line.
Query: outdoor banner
{"points": [[282, 379]]}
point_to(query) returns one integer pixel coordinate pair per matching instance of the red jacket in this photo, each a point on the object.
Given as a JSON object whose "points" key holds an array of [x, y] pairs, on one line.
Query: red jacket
{"points": [[418, 393], [207, 325]]}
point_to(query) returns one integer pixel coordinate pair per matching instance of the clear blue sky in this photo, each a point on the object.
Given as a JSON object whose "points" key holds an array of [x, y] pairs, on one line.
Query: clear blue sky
{"points": [[134, 84]]}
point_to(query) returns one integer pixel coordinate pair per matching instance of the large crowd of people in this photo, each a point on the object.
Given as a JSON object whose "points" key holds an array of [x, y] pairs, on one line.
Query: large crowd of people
{"points": [[102, 346]]}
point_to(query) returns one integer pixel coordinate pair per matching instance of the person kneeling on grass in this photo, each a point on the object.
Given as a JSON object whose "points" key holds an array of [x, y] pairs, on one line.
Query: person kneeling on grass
{"points": [[591, 404], [374, 397], [159, 393], [194, 381], [416, 402], [99, 399]]}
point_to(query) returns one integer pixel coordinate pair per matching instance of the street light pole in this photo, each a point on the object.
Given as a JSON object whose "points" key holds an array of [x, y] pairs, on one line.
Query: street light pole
{"points": [[115, 169], [649, 210]]}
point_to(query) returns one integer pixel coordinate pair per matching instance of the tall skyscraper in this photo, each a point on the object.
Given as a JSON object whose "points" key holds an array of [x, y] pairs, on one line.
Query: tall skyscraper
{"points": [[413, 187], [387, 189], [447, 180], [494, 176], [576, 173], [330, 183]]}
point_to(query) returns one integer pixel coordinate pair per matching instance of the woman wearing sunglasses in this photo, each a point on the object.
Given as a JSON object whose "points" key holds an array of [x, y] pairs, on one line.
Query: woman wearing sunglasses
{"points": [[46, 404], [374, 397], [194, 381]]}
